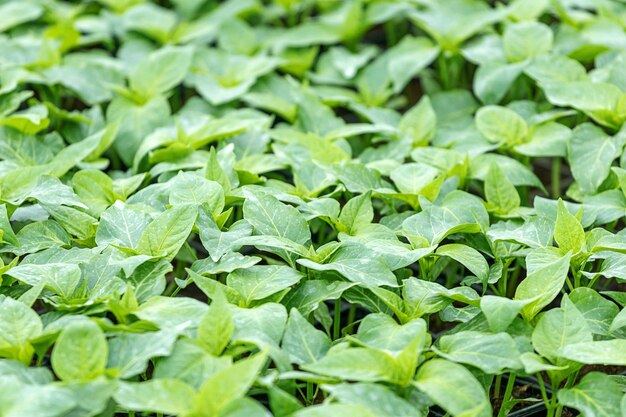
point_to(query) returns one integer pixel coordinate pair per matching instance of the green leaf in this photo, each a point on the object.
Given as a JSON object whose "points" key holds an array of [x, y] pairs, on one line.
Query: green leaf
{"points": [[526, 40], [595, 395], [188, 188], [166, 234], [121, 225], [568, 232], [500, 192], [261, 281], [376, 398], [95, 189], [468, 257], [136, 121], [189, 363], [491, 353], [558, 328], [438, 378], [17, 13], [161, 71], [542, 286], [590, 154], [129, 353], [419, 122], [598, 100], [501, 125], [18, 325], [227, 385], [602, 352], [597, 310], [168, 396], [216, 327], [80, 353], [356, 214], [302, 341], [270, 217], [364, 271], [500, 311], [356, 364]]}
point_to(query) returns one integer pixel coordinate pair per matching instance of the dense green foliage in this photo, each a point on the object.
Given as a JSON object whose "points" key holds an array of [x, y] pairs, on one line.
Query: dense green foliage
{"points": [[312, 208]]}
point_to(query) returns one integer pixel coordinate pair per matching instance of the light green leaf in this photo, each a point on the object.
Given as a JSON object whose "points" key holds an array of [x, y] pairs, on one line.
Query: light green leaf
{"points": [[590, 155], [500, 192], [602, 352], [161, 71], [167, 233], [356, 214], [438, 378], [468, 257], [542, 286], [261, 281], [302, 341], [227, 385], [80, 353], [596, 395], [526, 40], [216, 327], [568, 232], [168, 396], [558, 328], [491, 353], [501, 125]]}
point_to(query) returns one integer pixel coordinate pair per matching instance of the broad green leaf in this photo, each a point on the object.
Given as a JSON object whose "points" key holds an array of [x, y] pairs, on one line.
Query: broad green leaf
{"points": [[597, 310], [364, 271], [542, 286], [161, 71], [193, 189], [121, 225], [468, 257], [129, 353], [189, 363], [95, 189], [526, 40], [18, 325], [379, 331], [356, 364], [168, 396], [15, 13], [227, 385], [500, 192], [375, 397], [80, 353], [595, 395], [270, 217], [136, 121], [568, 232], [590, 155], [598, 100], [356, 214], [216, 327], [493, 80], [500, 311], [438, 378], [602, 352], [261, 281], [558, 328], [491, 353], [166, 234], [302, 341], [420, 122], [452, 22], [501, 125]]}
